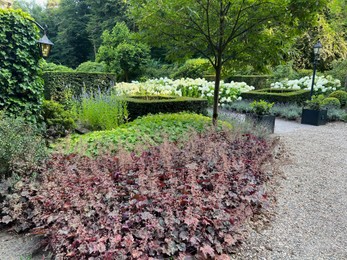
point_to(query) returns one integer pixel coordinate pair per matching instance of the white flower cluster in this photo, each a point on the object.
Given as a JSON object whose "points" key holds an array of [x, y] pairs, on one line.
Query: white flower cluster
{"points": [[228, 92], [321, 85]]}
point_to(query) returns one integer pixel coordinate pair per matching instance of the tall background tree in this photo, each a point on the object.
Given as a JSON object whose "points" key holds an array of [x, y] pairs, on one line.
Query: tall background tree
{"points": [[122, 52], [330, 29], [224, 31]]}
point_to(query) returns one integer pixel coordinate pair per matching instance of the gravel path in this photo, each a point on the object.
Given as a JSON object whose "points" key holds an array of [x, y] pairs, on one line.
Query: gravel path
{"points": [[311, 210], [310, 219]]}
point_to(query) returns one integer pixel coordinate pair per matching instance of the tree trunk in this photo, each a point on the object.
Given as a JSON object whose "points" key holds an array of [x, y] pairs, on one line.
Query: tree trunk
{"points": [[126, 76], [218, 70]]}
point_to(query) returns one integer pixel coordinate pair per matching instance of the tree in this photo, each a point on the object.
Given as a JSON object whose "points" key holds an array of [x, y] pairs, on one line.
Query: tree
{"points": [[331, 31], [224, 30], [72, 45], [122, 52], [103, 16]]}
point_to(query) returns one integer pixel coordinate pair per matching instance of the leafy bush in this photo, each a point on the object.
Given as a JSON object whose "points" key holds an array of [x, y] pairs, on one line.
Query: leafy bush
{"points": [[315, 103], [92, 67], [148, 130], [240, 106], [52, 67], [335, 114], [20, 84], [166, 202], [155, 69], [330, 102], [21, 146], [98, 110], [341, 96], [59, 122], [339, 71], [261, 107], [284, 71], [193, 68], [289, 111]]}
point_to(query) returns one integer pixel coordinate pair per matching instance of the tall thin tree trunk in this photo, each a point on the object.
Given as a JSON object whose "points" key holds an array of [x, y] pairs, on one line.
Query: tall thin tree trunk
{"points": [[218, 70]]}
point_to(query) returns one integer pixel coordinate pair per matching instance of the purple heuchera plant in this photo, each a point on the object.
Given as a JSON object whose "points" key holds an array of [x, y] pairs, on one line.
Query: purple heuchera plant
{"points": [[168, 201]]}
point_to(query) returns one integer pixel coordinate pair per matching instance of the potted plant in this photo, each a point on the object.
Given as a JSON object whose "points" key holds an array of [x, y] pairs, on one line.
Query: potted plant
{"points": [[261, 114], [313, 113]]}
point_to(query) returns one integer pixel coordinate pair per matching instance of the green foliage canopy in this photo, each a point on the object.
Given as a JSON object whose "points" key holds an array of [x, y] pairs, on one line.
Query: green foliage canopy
{"points": [[224, 31], [20, 84], [122, 52]]}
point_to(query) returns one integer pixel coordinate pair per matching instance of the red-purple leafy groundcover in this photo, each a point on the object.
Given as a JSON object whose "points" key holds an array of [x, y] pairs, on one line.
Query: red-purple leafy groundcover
{"points": [[168, 201]]}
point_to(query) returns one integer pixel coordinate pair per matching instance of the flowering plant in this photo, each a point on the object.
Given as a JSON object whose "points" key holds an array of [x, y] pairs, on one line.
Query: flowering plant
{"points": [[187, 87], [323, 84]]}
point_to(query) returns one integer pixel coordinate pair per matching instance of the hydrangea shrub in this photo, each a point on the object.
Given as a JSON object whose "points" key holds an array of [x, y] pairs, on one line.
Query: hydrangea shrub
{"points": [[322, 84], [187, 87]]}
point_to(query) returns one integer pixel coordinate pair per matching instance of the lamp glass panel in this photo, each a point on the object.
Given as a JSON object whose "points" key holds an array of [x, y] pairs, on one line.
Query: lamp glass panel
{"points": [[45, 49]]}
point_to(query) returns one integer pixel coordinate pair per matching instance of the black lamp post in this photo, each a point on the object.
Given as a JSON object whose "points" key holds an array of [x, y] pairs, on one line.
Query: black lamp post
{"points": [[316, 50], [44, 43]]}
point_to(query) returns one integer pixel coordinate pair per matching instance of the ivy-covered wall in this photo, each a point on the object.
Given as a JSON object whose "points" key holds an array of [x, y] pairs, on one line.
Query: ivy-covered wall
{"points": [[21, 87]]}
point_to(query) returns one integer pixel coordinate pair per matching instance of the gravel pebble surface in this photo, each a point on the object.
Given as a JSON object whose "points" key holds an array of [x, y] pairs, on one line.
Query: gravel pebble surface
{"points": [[310, 219]]}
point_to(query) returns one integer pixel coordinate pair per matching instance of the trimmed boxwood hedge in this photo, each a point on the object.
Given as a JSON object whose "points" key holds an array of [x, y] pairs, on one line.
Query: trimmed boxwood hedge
{"points": [[57, 82], [143, 105], [278, 95]]}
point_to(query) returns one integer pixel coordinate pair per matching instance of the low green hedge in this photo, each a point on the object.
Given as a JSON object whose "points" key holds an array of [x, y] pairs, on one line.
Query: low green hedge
{"points": [[143, 105], [57, 84], [257, 81], [278, 95]]}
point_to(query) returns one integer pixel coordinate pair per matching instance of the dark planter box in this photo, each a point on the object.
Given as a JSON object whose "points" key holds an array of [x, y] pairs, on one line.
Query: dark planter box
{"points": [[268, 121], [314, 117]]}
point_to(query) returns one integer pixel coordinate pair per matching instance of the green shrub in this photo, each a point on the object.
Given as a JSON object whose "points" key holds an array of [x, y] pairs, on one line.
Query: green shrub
{"points": [[148, 130], [20, 84], [335, 114], [98, 110], [289, 111], [155, 69], [242, 106], [341, 96], [278, 95], [57, 84], [91, 67], [284, 71], [330, 102], [339, 71], [59, 122], [261, 107], [21, 146], [193, 68], [142, 105], [315, 103], [52, 67]]}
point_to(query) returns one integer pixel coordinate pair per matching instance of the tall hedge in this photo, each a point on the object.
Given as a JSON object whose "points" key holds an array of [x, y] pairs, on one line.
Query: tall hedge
{"points": [[57, 83], [21, 87]]}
